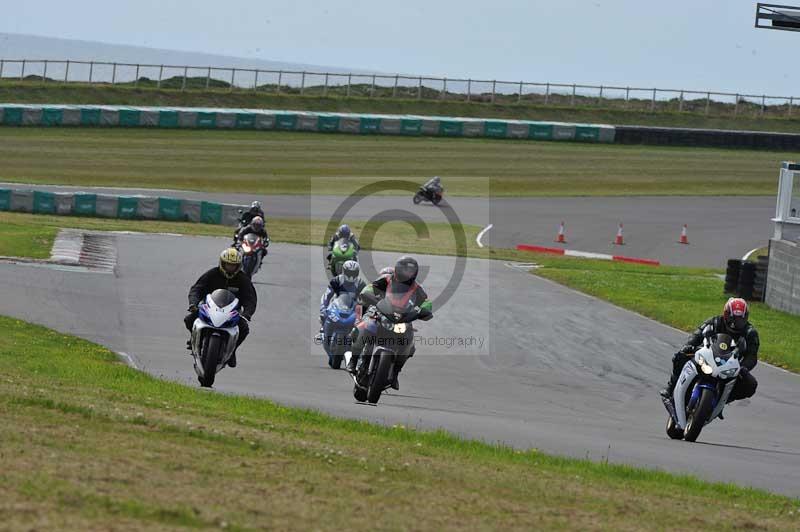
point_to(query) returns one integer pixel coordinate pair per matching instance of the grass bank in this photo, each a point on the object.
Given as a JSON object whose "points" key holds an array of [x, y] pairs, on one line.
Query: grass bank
{"points": [[611, 111], [21, 240], [90, 444], [286, 163]]}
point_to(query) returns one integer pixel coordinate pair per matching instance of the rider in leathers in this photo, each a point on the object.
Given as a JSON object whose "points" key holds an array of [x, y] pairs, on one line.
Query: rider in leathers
{"points": [[228, 275], [349, 281], [733, 321], [400, 284]]}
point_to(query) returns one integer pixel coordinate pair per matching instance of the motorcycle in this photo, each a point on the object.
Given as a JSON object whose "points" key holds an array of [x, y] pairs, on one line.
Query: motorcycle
{"points": [[394, 341], [214, 335], [253, 249], [339, 320], [426, 194], [343, 250], [703, 387]]}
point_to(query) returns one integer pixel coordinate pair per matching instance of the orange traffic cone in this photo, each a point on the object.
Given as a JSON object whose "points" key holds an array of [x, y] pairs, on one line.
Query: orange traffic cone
{"points": [[618, 241], [561, 238], [684, 239]]}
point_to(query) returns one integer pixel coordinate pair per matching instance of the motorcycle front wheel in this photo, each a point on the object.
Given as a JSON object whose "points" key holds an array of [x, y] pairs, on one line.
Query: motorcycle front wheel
{"points": [[697, 418], [211, 358], [417, 198], [380, 379]]}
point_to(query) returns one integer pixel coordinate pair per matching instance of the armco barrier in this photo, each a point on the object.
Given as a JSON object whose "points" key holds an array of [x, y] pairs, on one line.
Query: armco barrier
{"points": [[123, 207], [263, 119]]}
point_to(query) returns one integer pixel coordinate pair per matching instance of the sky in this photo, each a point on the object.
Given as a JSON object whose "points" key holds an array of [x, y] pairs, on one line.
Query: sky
{"points": [[692, 44]]}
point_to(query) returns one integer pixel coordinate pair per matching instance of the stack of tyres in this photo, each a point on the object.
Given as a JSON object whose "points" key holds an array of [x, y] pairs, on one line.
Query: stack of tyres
{"points": [[732, 276], [747, 277], [760, 283]]}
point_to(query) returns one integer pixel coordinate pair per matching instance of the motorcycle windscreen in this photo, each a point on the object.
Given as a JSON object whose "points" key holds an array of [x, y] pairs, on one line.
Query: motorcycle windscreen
{"points": [[251, 238], [395, 311], [344, 302], [222, 298], [722, 347]]}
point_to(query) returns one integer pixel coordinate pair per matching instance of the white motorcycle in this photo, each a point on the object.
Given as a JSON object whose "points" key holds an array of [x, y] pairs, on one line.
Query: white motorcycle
{"points": [[214, 334], [703, 387]]}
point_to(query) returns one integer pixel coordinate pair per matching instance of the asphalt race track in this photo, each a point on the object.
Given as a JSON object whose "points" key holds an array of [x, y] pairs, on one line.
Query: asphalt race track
{"points": [[719, 227], [557, 370]]}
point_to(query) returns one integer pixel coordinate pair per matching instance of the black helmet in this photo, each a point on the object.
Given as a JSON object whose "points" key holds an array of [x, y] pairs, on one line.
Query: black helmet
{"points": [[406, 269], [344, 231]]}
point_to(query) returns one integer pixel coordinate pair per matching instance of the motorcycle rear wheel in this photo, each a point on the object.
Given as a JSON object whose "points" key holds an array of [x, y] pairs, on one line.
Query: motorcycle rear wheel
{"points": [[436, 200], [697, 419], [380, 378], [211, 358]]}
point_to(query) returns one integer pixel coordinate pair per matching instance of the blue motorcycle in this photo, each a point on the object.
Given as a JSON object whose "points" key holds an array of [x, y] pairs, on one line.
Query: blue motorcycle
{"points": [[340, 317]]}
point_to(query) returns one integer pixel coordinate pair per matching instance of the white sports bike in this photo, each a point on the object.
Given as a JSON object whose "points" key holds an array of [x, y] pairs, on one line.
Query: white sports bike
{"points": [[214, 334], [703, 387]]}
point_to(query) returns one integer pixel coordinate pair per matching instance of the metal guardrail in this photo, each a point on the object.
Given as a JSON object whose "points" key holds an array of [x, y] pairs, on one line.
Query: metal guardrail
{"points": [[332, 84]]}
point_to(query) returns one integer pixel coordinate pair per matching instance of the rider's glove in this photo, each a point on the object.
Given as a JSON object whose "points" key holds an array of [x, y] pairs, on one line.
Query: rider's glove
{"points": [[688, 350], [192, 308]]}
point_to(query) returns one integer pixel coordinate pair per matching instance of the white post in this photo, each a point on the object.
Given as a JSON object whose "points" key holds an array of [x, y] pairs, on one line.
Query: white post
{"points": [[44, 74], [233, 78], [160, 75], [136, 80], [185, 72], [255, 81], [280, 77], [494, 87], [208, 78], [394, 90], [547, 93], [519, 97], [419, 89], [22, 72], [572, 99], [303, 84], [653, 101], [91, 71], [349, 81], [66, 72], [708, 101], [372, 89], [325, 89], [114, 74], [469, 89], [443, 95]]}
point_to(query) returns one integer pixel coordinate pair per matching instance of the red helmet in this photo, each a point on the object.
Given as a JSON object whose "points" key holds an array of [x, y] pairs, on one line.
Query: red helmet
{"points": [[735, 314]]}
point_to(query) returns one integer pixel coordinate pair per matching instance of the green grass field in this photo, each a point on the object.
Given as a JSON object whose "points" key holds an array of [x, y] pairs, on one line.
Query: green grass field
{"points": [[90, 444], [611, 112], [284, 163], [23, 240]]}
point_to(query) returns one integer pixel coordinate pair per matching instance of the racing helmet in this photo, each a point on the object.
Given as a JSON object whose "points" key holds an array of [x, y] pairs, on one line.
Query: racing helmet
{"points": [[255, 206], [350, 271], [230, 262], [406, 270], [389, 270], [258, 223], [735, 314], [344, 231]]}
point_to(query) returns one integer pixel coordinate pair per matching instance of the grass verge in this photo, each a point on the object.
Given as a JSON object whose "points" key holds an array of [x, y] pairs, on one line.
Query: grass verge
{"points": [[617, 112], [21, 240], [89, 443], [280, 163]]}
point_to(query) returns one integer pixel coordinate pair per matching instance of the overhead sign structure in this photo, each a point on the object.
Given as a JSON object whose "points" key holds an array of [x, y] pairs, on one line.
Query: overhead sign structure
{"points": [[777, 17]]}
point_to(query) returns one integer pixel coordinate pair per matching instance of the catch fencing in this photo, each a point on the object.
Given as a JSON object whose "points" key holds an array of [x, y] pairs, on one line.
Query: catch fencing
{"points": [[262, 119], [345, 85], [120, 207]]}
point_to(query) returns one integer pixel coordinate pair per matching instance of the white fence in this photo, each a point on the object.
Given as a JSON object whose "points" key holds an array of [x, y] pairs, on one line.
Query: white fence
{"points": [[327, 84]]}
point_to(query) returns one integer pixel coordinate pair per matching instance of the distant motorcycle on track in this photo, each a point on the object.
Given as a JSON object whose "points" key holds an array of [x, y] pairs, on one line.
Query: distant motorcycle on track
{"points": [[253, 250], [340, 317]]}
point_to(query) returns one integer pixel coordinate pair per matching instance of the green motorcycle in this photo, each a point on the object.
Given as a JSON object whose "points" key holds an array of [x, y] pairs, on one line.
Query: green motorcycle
{"points": [[343, 250]]}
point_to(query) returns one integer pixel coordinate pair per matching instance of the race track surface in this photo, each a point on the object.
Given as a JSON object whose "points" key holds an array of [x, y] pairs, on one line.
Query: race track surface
{"points": [[558, 370], [719, 227]]}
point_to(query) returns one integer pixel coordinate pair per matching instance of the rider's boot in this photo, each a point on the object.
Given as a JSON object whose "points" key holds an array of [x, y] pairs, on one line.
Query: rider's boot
{"points": [[353, 364], [232, 360]]}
